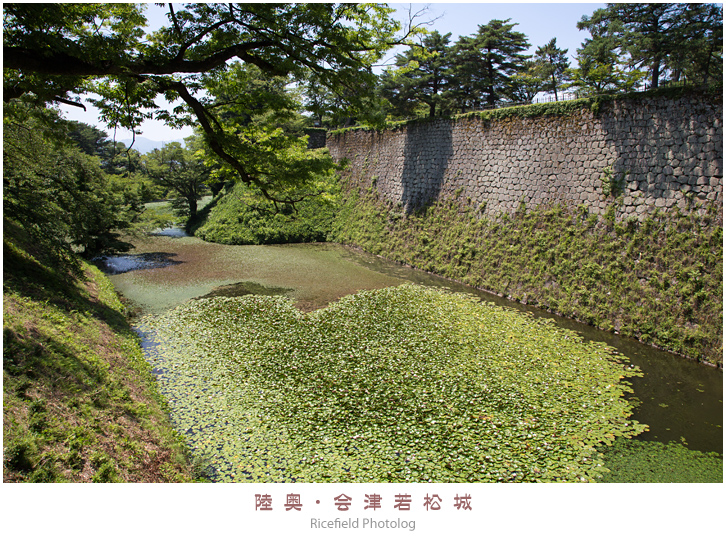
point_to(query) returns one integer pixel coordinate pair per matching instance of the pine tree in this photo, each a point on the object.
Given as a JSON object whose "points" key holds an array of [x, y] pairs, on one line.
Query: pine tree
{"points": [[421, 75], [600, 70], [666, 40], [551, 63], [487, 62]]}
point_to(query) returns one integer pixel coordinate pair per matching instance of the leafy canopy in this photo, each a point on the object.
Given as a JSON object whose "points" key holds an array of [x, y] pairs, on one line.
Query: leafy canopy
{"points": [[668, 40], [421, 76], [488, 61], [551, 63], [181, 170], [56, 52], [57, 193]]}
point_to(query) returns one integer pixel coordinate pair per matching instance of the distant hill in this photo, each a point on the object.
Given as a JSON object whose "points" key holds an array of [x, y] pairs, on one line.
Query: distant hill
{"points": [[144, 145]]}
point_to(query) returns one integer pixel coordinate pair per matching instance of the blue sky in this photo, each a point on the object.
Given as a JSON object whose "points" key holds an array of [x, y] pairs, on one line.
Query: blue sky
{"points": [[539, 21]]}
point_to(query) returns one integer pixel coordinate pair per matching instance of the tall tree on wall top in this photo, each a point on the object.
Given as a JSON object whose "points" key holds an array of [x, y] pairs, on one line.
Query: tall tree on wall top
{"points": [[600, 71], [662, 38], [489, 59], [421, 76], [551, 64], [699, 59]]}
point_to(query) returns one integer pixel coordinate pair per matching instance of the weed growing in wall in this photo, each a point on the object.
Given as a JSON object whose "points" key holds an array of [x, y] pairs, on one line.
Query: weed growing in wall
{"points": [[613, 183]]}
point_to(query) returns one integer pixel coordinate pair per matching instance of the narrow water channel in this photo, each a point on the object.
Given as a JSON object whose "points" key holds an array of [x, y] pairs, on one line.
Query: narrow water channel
{"points": [[679, 399]]}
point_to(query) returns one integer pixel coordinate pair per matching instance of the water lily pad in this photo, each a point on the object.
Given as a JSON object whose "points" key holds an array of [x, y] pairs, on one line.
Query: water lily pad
{"points": [[405, 384]]}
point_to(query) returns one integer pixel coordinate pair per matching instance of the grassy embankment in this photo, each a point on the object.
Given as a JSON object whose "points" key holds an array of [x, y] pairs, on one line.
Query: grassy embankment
{"points": [[80, 403], [659, 281]]}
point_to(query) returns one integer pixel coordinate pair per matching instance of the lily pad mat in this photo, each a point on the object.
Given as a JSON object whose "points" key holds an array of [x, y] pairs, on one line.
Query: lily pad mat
{"points": [[403, 384]]}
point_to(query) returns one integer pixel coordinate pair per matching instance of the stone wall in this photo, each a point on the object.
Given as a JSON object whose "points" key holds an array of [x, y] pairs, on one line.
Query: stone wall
{"points": [[645, 152], [316, 137]]}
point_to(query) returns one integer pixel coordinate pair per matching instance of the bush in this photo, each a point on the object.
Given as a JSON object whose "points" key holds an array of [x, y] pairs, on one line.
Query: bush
{"points": [[242, 217]]}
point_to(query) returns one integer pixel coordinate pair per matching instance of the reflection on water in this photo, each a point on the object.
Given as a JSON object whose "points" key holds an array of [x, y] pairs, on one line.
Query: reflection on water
{"points": [[679, 399], [119, 264], [171, 232]]}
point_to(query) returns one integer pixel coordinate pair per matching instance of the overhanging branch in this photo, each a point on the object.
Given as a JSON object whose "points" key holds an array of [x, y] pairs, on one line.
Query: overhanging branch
{"points": [[61, 63]]}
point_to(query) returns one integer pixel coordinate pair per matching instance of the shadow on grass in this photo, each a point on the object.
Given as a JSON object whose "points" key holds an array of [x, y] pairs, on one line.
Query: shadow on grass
{"points": [[31, 272]]}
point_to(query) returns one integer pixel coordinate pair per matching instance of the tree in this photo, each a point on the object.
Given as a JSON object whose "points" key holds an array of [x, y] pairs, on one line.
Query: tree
{"points": [[327, 108], [600, 70], [662, 38], [551, 64], [487, 61], [421, 76], [53, 53], [57, 193], [180, 169], [526, 83], [115, 158], [699, 58], [262, 114]]}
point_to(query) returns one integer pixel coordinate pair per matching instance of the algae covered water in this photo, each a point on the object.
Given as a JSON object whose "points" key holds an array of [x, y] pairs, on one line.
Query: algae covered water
{"points": [[679, 399]]}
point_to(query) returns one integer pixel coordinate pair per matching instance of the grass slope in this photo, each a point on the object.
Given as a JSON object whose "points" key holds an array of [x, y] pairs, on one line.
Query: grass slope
{"points": [[660, 281], [79, 401]]}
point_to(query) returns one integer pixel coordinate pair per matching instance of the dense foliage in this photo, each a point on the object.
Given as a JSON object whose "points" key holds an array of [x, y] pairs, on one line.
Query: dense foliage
{"points": [[421, 77], [666, 40], [54, 54], [407, 384], [180, 170], [660, 281], [56, 192], [240, 217], [263, 115], [628, 43]]}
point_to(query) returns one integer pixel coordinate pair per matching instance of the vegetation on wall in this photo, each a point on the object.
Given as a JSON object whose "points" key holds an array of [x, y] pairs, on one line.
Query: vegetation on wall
{"points": [[712, 92], [659, 281], [79, 401]]}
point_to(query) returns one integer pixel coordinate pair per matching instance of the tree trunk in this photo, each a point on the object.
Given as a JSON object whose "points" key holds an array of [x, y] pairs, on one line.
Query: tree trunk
{"points": [[656, 73]]}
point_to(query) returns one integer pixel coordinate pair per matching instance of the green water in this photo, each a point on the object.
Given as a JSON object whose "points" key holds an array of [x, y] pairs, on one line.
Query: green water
{"points": [[679, 399]]}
